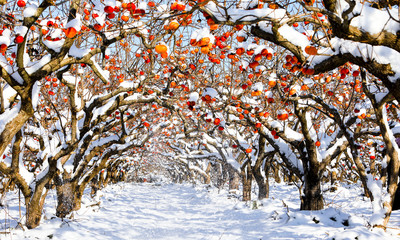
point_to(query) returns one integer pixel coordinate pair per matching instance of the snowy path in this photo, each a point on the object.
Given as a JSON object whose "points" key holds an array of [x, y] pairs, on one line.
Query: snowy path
{"points": [[147, 211]]}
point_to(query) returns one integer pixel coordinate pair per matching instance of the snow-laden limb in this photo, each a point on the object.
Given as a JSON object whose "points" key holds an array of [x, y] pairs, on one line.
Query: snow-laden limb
{"points": [[9, 96], [242, 14], [360, 32], [77, 52], [284, 150], [370, 56], [97, 111], [8, 116], [328, 151], [370, 19], [382, 55]]}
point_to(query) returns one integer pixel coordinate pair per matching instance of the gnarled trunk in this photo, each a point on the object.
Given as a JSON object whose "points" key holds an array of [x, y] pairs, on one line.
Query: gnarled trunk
{"points": [[69, 195], [94, 186], [247, 178], [392, 187], [34, 208], [262, 182], [277, 176], [68, 198], [234, 181], [312, 198], [207, 178], [392, 153]]}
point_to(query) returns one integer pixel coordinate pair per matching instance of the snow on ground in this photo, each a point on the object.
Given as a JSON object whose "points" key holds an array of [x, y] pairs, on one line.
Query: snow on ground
{"points": [[181, 211]]}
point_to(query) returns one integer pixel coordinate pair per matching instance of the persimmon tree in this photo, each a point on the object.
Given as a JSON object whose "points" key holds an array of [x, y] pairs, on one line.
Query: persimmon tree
{"points": [[382, 149]]}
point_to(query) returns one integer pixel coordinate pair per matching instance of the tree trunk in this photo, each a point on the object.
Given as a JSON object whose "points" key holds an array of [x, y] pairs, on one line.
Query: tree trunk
{"points": [[396, 201], [392, 187], [276, 173], [122, 176], [234, 181], [94, 186], [247, 178], [34, 208], [69, 195], [312, 198], [267, 170], [207, 178], [114, 176], [33, 215], [34, 203], [333, 178], [263, 186], [67, 199], [394, 161], [107, 178]]}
